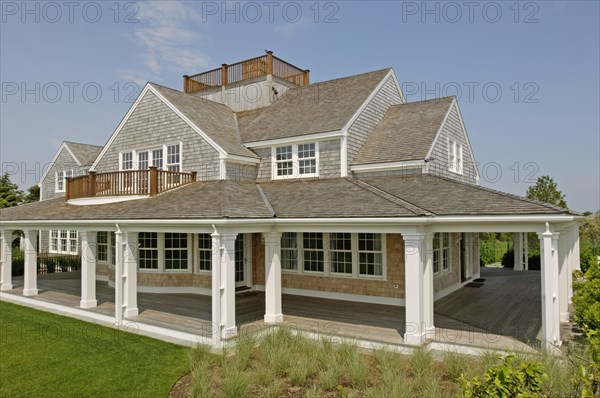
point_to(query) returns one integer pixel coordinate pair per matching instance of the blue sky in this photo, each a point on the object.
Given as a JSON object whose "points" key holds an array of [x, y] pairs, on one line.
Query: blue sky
{"points": [[527, 72]]}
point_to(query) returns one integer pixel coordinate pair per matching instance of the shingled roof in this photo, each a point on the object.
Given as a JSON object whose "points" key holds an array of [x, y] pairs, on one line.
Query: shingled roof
{"points": [[316, 108], [216, 120], [406, 132], [85, 154], [377, 197]]}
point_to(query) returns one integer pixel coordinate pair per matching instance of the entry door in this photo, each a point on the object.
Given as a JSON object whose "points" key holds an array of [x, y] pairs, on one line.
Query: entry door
{"points": [[240, 262]]}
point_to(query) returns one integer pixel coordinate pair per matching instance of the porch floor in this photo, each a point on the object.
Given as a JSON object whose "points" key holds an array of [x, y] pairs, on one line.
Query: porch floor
{"points": [[504, 313]]}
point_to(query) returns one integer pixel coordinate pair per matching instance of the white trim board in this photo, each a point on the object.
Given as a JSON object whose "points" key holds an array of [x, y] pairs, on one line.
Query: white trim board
{"points": [[364, 168], [295, 139]]}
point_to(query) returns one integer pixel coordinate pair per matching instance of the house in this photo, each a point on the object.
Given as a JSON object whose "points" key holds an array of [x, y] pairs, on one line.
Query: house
{"points": [[253, 178]]}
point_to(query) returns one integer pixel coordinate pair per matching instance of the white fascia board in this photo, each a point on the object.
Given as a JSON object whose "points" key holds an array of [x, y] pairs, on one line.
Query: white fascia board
{"points": [[439, 132], [189, 122], [397, 83], [387, 166], [72, 154], [239, 159], [53, 162], [294, 140]]}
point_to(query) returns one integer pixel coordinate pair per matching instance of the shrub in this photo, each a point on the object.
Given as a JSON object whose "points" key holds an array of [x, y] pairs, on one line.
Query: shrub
{"points": [[514, 377], [18, 262], [487, 254], [508, 259], [587, 258]]}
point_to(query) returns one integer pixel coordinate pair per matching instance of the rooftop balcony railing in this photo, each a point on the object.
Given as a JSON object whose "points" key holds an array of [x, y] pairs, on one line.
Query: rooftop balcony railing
{"points": [[149, 182]]}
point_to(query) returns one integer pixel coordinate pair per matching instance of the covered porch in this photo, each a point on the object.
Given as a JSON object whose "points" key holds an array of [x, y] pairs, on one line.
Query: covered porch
{"points": [[469, 318]]}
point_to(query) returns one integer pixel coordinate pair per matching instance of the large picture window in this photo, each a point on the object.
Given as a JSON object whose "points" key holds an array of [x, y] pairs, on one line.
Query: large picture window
{"points": [[300, 160], [176, 251]]}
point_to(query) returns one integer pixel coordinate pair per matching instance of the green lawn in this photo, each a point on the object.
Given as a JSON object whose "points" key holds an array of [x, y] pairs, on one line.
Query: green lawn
{"points": [[46, 355]]}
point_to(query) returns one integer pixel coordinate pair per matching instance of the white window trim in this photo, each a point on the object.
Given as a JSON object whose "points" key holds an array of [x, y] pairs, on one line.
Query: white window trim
{"points": [[69, 250], [149, 149], [108, 254], [163, 250], [63, 178], [160, 254], [327, 260], [295, 161], [455, 156], [440, 251], [197, 251]]}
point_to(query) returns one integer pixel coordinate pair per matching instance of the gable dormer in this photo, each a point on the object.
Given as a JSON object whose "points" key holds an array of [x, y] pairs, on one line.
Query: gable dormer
{"points": [[247, 85]]}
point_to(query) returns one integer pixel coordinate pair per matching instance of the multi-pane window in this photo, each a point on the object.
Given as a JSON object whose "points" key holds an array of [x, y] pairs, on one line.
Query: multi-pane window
{"points": [[289, 251], [61, 182], [370, 254], [239, 258], [296, 160], [313, 251], [157, 158], [142, 160], [176, 251], [127, 161], [340, 245], [102, 246], [63, 241], [441, 252], [113, 246], [204, 252], [455, 157], [148, 250], [283, 158], [173, 157], [307, 161]]}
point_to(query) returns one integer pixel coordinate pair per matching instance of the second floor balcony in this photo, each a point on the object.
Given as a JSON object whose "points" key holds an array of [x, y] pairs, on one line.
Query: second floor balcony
{"points": [[129, 183]]}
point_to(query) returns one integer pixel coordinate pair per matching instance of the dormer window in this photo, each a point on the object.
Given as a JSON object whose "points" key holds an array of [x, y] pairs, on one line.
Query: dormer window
{"points": [[60, 180], [295, 161], [455, 157]]}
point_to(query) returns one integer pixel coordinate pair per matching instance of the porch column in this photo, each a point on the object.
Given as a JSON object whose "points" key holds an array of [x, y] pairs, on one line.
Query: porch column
{"points": [[273, 313], [525, 251], [217, 253], [229, 329], [119, 277], [574, 259], [563, 271], [550, 306], [428, 293], [518, 251], [30, 276], [88, 269], [414, 333], [130, 261], [6, 260]]}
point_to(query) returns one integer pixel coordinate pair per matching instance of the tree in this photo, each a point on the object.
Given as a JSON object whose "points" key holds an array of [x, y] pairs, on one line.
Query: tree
{"points": [[33, 194], [10, 194], [545, 190], [590, 229]]}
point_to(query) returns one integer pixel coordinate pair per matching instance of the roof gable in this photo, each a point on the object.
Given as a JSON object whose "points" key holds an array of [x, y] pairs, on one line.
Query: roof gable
{"points": [[407, 132], [316, 108], [84, 154]]}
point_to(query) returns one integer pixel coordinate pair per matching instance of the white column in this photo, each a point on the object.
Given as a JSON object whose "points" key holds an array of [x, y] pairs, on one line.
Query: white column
{"points": [[413, 262], [518, 251], [428, 293], [30, 276], [229, 328], [550, 307], [525, 251], [563, 272], [217, 252], [273, 313], [130, 261], [574, 259], [119, 277], [88, 269], [6, 260]]}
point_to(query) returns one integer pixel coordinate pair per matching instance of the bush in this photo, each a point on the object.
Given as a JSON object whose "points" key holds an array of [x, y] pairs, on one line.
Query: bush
{"points": [[513, 378], [587, 258], [487, 254], [18, 262], [508, 259]]}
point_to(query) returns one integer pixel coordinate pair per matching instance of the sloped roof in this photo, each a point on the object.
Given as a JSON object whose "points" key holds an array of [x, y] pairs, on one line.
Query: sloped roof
{"points": [[406, 132], [85, 154], [377, 197], [316, 108], [216, 120], [443, 196]]}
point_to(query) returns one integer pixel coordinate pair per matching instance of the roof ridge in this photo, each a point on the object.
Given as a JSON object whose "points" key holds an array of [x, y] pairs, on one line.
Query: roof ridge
{"points": [[392, 198], [506, 194]]}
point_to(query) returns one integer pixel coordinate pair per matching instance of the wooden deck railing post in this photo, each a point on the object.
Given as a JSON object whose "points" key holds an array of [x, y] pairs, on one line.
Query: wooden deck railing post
{"points": [[92, 184], [153, 181], [307, 77], [194, 175], [186, 84], [68, 188], [269, 62], [223, 74]]}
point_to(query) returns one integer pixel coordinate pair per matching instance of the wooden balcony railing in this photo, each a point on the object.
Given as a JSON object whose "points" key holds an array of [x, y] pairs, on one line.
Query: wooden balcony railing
{"points": [[267, 64], [124, 183]]}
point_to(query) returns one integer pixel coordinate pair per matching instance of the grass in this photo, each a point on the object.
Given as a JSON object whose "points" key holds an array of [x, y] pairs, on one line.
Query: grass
{"points": [[282, 363], [43, 354]]}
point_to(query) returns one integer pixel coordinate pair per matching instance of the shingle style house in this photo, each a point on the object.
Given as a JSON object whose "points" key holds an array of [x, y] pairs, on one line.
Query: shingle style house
{"points": [[337, 189]]}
